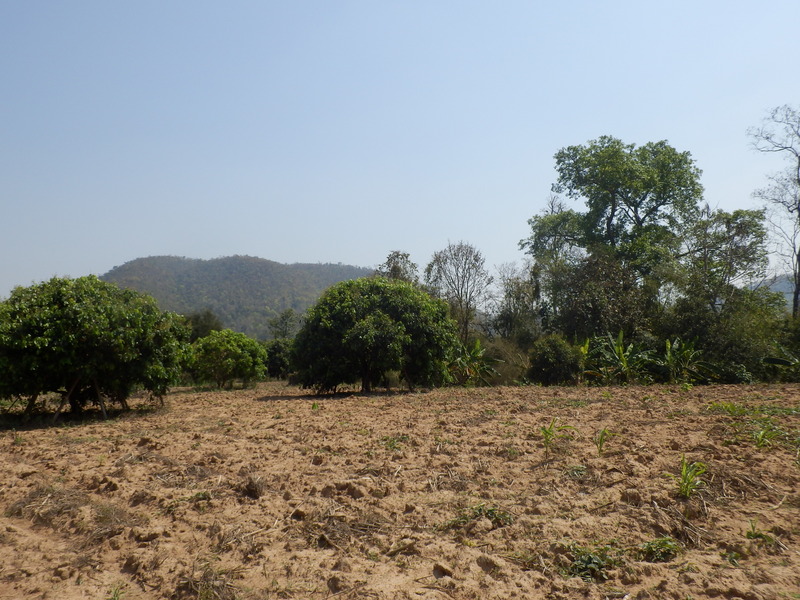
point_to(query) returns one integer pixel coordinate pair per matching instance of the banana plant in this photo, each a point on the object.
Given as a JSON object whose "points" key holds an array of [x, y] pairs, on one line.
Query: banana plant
{"points": [[614, 362], [472, 366]]}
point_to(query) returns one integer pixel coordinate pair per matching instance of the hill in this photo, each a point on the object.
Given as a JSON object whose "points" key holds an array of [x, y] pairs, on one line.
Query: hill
{"points": [[243, 291]]}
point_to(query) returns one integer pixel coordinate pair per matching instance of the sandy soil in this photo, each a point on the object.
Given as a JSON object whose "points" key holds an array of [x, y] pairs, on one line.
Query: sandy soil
{"points": [[274, 493]]}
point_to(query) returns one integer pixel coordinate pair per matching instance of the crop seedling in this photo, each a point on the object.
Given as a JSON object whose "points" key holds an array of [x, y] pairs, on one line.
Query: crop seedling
{"points": [[552, 433], [689, 480], [600, 439], [766, 435]]}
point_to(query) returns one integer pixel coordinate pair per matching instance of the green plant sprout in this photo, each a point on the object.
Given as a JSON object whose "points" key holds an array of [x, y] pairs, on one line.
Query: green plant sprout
{"points": [[552, 433], [600, 439], [689, 481]]}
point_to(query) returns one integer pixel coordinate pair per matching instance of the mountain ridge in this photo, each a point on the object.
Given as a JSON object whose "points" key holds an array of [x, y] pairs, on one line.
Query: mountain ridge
{"points": [[243, 291]]}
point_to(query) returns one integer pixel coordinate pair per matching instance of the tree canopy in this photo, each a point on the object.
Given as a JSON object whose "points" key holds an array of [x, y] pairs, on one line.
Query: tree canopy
{"points": [[361, 329], [85, 339]]}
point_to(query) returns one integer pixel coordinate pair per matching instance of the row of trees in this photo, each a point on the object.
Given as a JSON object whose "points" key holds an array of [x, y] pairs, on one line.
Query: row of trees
{"points": [[643, 269]]}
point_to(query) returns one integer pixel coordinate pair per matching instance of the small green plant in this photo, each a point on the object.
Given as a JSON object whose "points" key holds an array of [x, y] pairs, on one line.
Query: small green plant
{"points": [[552, 433], [762, 538], [117, 592], [689, 481], [18, 440], [600, 439], [662, 549], [592, 563], [392, 442], [766, 434], [315, 406], [497, 516]]}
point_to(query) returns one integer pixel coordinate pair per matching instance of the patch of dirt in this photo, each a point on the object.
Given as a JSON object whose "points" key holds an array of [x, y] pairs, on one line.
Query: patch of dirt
{"points": [[273, 493]]}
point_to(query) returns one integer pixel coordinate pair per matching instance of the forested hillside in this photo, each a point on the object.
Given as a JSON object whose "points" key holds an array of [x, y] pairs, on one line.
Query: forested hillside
{"points": [[243, 291]]}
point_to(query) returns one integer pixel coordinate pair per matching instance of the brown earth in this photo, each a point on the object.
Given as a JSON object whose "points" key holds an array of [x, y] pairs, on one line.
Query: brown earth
{"points": [[274, 493]]}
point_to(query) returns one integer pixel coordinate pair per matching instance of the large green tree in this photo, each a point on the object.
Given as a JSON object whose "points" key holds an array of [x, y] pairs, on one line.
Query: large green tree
{"points": [[361, 329], [86, 339]]}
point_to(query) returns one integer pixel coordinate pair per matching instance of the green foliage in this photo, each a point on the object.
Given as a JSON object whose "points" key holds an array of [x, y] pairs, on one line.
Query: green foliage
{"points": [[663, 549], [80, 337], [471, 366], [683, 363], [592, 563], [361, 329], [399, 266], [497, 516], [279, 355], [612, 361], [552, 433], [224, 356], [554, 361], [600, 439], [202, 323], [689, 480], [285, 325]]}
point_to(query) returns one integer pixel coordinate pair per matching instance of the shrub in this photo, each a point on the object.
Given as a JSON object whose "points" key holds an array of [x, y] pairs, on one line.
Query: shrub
{"points": [[223, 356], [554, 361], [85, 338]]}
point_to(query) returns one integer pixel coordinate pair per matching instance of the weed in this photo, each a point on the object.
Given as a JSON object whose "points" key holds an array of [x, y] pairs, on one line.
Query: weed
{"points": [[206, 582], [662, 549], [117, 592], [689, 481], [18, 440], [591, 563], [392, 442], [552, 433], [497, 516], [600, 439], [576, 471], [732, 557]]}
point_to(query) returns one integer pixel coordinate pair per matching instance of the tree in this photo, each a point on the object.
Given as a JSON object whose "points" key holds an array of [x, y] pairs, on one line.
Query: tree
{"points": [[202, 323], [630, 192], [780, 133], [458, 275], [285, 325], [86, 339], [363, 328], [224, 356], [723, 251], [398, 266], [516, 314]]}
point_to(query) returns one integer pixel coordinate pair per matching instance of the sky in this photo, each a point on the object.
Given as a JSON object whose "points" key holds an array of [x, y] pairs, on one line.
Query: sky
{"points": [[338, 131]]}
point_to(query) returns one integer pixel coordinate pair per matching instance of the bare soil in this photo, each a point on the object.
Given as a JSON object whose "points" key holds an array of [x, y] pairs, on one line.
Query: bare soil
{"points": [[449, 494]]}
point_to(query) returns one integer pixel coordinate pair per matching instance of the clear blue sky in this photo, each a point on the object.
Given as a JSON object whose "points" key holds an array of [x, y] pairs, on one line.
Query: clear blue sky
{"points": [[337, 131]]}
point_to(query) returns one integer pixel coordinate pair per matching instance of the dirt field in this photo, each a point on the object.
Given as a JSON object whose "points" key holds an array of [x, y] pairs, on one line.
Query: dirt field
{"points": [[274, 493]]}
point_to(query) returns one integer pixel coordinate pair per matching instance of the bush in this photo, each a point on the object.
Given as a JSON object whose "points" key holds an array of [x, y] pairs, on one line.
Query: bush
{"points": [[224, 356], [554, 361], [85, 338], [361, 329], [279, 353]]}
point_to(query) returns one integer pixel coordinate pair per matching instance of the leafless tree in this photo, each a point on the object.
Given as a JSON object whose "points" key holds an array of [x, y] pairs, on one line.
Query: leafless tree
{"points": [[458, 275], [780, 133]]}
